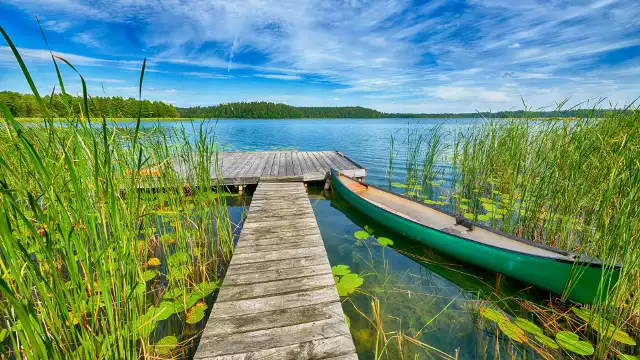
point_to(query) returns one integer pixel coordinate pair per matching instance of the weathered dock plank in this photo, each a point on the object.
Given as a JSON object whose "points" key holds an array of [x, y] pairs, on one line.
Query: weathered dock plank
{"points": [[278, 299], [246, 168]]}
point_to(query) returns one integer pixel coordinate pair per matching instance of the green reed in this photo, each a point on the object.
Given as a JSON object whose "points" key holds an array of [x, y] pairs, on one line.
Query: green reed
{"points": [[106, 251], [573, 185]]}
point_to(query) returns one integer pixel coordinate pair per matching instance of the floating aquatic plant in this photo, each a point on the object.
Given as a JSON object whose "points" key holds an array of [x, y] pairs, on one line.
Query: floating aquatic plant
{"points": [[384, 241], [165, 345], [571, 342]]}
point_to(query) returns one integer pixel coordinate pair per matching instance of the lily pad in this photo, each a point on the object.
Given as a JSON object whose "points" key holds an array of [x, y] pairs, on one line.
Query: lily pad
{"points": [[361, 235], [613, 332], [384, 241], [546, 341], [165, 345], [140, 288], [571, 342], [528, 326], [627, 357], [348, 284], [468, 216], [164, 310], [493, 315], [206, 288], [340, 270], [196, 313], [597, 323], [174, 293], [512, 331], [149, 274], [153, 262], [489, 207]]}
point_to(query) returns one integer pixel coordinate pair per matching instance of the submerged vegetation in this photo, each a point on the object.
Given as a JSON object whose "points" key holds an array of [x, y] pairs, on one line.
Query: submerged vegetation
{"points": [[96, 260], [573, 185]]}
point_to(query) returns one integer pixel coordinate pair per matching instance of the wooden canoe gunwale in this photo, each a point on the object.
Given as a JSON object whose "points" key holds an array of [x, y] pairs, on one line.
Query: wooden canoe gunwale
{"points": [[577, 259]]}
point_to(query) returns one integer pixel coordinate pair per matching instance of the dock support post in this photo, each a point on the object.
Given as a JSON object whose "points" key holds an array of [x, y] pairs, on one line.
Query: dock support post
{"points": [[327, 182]]}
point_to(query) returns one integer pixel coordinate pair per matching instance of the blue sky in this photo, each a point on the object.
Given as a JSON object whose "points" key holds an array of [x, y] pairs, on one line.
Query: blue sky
{"points": [[394, 56]]}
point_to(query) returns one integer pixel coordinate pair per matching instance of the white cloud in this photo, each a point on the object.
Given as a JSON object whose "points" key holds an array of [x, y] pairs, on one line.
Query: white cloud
{"points": [[279, 77], [57, 26], [204, 75], [104, 80], [453, 93], [334, 99], [86, 39], [383, 49]]}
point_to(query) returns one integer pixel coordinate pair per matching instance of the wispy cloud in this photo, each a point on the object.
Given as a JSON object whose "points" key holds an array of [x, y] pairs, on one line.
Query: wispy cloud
{"points": [[100, 80], [87, 39], [57, 26], [279, 77], [204, 75]]}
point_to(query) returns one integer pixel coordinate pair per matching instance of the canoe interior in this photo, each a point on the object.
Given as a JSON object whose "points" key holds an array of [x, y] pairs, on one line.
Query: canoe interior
{"points": [[441, 221]]}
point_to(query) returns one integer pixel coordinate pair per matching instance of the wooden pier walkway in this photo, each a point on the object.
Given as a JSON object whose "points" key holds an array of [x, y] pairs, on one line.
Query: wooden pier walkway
{"points": [[278, 299], [246, 168]]}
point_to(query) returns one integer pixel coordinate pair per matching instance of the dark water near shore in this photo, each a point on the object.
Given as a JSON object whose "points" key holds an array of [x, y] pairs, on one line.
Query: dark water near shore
{"points": [[423, 303]]}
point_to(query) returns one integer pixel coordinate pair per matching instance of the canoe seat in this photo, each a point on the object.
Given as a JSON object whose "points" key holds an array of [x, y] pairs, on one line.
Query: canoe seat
{"points": [[356, 187]]}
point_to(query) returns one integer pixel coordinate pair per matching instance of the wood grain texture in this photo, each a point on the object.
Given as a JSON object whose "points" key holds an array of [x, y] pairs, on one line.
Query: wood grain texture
{"points": [[243, 168], [278, 299]]}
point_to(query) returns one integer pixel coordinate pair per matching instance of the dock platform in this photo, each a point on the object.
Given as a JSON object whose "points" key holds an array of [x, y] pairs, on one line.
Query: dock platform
{"points": [[249, 168], [278, 299]]}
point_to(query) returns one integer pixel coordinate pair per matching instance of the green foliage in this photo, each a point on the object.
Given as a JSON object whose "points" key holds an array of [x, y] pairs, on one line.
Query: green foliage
{"points": [[492, 314], [149, 274], [528, 326], [384, 241], [340, 270], [512, 331], [25, 106], [165, 345], [348, 284], [571, 342], [361, 235], [546, 341], [196, 313], [268, 110]]}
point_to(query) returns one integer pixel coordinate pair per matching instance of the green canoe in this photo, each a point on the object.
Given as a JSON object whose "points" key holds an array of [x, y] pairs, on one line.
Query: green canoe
{"points": [[551, 269]]}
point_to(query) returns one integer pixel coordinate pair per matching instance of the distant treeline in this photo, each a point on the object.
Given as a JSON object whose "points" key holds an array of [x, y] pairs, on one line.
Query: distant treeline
{"points": [[25, 106], [267, 110]]}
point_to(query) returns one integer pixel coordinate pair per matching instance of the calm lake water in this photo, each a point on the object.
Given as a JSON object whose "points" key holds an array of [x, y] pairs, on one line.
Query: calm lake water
{"points": [[408, 290]]}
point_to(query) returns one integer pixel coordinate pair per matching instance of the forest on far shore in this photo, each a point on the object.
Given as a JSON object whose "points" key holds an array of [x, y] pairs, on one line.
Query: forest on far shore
{"points": [[25, 106]]}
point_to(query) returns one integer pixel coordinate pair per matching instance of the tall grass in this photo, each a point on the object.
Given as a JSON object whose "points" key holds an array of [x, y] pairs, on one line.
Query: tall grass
{"points": [[106, 251], [573, 185]]}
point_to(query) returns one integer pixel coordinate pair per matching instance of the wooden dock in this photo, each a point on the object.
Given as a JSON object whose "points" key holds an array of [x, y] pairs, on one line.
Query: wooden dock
{"points": [[247, 168], [278, 299]]}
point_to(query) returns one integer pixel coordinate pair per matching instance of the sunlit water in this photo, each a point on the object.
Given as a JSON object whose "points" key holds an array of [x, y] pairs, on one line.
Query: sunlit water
{"points": [[417, 293]]}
